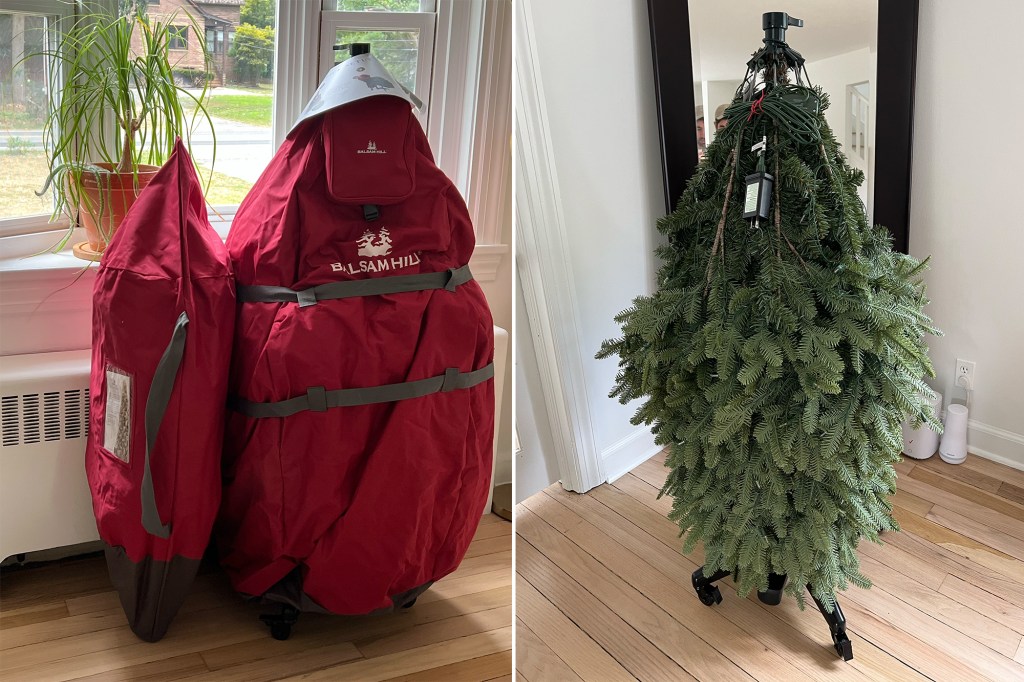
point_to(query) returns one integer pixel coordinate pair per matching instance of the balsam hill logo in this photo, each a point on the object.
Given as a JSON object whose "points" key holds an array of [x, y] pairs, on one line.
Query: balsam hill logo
{"points": [[372, 247], [371, 148]]}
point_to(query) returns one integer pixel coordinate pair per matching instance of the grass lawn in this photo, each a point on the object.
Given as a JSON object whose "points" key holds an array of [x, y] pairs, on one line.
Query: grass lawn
{"points": [[14, 117], [264, 88], [251, 109], [225, 190], [22, 174]]}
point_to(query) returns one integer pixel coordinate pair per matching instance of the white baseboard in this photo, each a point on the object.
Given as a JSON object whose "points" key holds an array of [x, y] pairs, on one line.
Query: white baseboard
{"points": [[996, 444], [990, 442], [625, 454]]}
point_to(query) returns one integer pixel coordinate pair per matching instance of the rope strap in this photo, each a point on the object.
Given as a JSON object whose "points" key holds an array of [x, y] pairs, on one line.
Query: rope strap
{"points": [[318, 399], [263, 293]]}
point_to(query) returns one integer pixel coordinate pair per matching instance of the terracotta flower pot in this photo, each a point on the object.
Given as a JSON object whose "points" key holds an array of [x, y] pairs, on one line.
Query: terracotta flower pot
{"points": [[104, 202]]}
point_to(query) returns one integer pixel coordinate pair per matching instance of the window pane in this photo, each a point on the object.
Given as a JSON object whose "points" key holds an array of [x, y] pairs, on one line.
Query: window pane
{"points": [[241, 43], [178, 38], [396, 50], [380, 5], [24, 96]]}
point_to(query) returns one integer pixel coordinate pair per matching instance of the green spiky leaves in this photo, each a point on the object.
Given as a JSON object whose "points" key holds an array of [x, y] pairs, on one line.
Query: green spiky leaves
{"points": [[778, 375]]}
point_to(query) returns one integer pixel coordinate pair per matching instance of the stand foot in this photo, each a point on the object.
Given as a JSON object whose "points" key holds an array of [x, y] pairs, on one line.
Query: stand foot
{"points": [[773, 595], [837, 625], [708, 594], [281, 623]]}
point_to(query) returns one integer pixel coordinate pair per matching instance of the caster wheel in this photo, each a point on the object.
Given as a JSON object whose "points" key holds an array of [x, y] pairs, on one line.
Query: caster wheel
{"points": [[409, 605], [709, 596], [280, 631], [843, 646]]}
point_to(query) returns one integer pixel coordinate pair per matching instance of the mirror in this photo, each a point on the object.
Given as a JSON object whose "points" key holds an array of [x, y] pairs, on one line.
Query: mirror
{"points": [[839, 41], [858, 50]]}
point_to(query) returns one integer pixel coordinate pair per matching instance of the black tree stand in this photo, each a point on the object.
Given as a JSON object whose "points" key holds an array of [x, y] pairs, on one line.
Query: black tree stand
{"points": [[710, 595], [281, 623]]}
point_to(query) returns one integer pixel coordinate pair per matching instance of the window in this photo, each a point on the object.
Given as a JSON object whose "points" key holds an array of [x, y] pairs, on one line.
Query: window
{"points": [[241, 103], [251, 111], [178, 38], [400, 34], [379, 5], [858, 110], [404, 44], [24, 97], [215, 39]]}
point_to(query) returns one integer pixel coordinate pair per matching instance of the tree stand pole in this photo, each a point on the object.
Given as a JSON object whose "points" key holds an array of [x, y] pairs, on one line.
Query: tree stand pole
{"points": [[709, 595], [837, 624]]}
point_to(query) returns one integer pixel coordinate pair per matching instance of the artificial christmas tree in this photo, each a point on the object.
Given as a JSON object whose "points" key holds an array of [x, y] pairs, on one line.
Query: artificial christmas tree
{"points": [[781, 352]]}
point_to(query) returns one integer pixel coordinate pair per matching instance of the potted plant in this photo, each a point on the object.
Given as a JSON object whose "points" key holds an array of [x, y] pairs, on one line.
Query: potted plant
{"points": [[115, 113]]}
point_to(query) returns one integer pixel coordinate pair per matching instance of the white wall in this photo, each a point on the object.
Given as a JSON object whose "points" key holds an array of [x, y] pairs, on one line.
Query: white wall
{"points": [[603, 129], [833, 75], [968, 151]]}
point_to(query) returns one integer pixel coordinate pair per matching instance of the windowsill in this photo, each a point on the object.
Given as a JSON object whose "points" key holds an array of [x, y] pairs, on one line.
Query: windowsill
{"points": [[30, 273], [30, 255]]}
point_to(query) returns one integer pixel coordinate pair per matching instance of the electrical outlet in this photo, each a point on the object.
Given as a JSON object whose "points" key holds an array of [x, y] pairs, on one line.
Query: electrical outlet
{"points": [[965, 374]]}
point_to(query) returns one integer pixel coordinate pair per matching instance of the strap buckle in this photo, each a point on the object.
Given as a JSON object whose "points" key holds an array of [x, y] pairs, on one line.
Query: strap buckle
{"points": [[451, 378], [317, 397]]}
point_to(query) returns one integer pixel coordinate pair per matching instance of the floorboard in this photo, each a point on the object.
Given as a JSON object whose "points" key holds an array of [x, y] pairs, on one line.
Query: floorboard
{"points": [[63, 621], [603, 589]]}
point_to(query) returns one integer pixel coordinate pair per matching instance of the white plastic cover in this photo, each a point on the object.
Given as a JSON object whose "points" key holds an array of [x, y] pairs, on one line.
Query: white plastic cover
{"points": [[354, 79]]}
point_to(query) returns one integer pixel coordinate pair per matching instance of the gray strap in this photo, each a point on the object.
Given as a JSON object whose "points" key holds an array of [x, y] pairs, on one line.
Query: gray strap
{"points": [[317, 399], [156, 404], [263, 293]]}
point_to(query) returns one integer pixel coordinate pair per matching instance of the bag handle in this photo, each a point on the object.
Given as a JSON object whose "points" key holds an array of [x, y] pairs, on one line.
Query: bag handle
{"points": [[156, 405]]}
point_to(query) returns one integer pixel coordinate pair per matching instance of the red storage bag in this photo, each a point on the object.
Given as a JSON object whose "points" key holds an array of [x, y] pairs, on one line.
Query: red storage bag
{"points": [[163, 317], [358, 446]]}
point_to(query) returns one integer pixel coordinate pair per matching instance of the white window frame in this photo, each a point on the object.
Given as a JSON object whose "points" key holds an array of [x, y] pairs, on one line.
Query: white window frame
{"points": [[470, 127], [470, 121], [39, 222], [422, 22]]}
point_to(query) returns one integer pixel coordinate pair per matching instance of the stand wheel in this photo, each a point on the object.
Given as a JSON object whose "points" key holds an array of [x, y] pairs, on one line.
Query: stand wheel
{"points": [[409, 605], [843, 646], [710, 595], [281, 623]]}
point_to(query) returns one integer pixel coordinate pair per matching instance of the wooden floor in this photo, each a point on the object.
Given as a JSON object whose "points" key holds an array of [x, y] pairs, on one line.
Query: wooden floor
{"points": [[602, 592], [63, 621]]}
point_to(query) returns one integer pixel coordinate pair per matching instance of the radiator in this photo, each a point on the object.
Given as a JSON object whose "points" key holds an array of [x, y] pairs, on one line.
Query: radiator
{"points": [[44, 420]]}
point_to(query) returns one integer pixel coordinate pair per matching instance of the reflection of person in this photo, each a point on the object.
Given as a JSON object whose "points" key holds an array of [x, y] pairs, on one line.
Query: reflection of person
{"points": [[720, 120], [702, 144]]}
